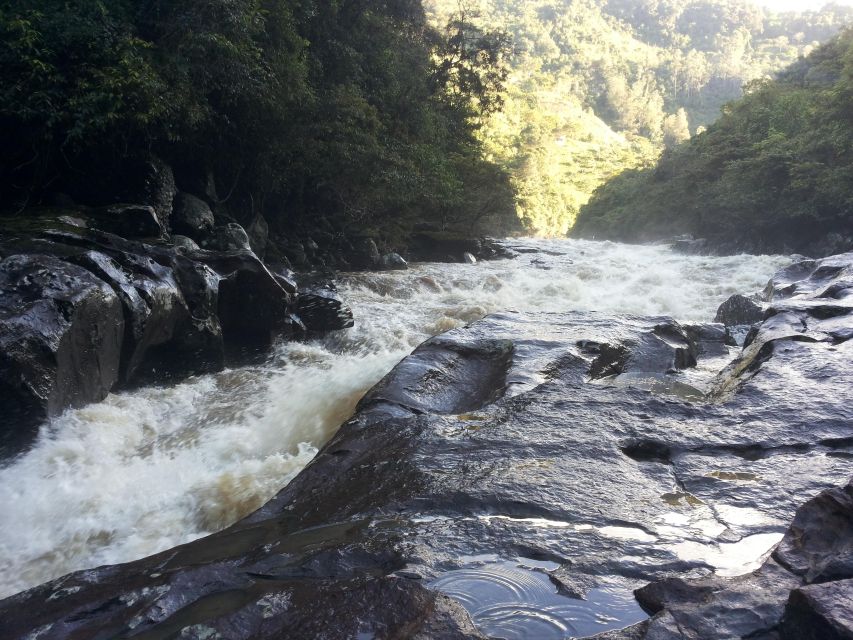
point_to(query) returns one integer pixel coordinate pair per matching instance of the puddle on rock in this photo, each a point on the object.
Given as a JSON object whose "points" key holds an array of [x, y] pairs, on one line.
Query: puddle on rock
{"points": [[656, 383], [730, 559], [681, 498], [510, 600], [734, 476]]}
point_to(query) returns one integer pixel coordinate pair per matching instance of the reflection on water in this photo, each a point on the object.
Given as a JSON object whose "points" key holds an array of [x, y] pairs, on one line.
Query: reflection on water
{"points": [[153, 468], [517, 600], [733, 558]]}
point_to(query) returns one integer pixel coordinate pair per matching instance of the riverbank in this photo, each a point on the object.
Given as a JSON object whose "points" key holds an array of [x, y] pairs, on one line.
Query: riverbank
{"points": [[489, 466], [426, 298]]}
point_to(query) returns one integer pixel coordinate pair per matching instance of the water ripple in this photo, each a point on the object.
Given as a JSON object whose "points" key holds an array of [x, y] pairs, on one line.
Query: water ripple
{"points": [[507, 600]]}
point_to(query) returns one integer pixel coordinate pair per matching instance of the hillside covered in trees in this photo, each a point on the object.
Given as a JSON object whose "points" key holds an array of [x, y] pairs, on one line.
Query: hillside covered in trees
{"points": [[334, 118], [600, 86], [773, 174], [332, 121]]}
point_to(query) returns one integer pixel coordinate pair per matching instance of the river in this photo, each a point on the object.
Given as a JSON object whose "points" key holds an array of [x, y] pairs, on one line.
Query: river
{"points": [[153, 468]]}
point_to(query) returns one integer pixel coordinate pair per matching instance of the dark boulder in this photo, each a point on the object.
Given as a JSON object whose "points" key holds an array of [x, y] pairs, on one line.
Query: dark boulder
{"points": [[819, 612], [739, 310], [230, 237], [171, 307], [253, 306], [259, 233], [393, 261], [128, 220], [439, 246], [61, 334], [170, 304], [819, 543], [192, 217], [183, 243], [320, 308], [364, 254], [154, 308]]}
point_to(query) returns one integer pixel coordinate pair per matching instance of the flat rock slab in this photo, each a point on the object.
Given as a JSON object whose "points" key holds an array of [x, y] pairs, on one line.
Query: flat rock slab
{"points": [[534, 467]]}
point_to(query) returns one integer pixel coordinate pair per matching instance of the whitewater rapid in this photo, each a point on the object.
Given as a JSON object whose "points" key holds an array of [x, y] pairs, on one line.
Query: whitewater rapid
{"points": [[153, 468]]}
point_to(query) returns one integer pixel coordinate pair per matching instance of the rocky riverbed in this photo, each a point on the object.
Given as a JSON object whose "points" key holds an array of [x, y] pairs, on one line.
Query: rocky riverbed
{"points": [[521, 476]]}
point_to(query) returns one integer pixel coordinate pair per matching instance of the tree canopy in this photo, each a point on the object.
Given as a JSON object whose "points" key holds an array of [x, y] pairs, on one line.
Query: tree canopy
{"points": [[773, 174], [350, 113], [600, 86]]}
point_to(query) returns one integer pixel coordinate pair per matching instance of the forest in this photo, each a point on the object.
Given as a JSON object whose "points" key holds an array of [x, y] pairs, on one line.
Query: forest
{"points": [[773, 174], [323, 116], [335, 119], [596, 87]]}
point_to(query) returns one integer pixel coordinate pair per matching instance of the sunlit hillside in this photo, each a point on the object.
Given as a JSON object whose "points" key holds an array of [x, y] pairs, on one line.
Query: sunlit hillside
{"points": [[600, 86]]}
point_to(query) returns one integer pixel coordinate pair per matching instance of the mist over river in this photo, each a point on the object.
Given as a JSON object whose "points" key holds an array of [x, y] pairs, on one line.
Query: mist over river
{"points": [[150, 469]]}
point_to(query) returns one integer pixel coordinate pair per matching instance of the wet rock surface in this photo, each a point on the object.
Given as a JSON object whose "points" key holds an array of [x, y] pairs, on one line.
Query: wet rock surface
{"points": [[491, 466], [819, 611], [192, 217], [739, 310], [320, 308], [60, 341], [84, 311]]}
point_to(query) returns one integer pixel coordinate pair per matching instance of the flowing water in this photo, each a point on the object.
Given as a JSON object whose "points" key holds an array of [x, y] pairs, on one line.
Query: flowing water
{"points": [[150, 469]]}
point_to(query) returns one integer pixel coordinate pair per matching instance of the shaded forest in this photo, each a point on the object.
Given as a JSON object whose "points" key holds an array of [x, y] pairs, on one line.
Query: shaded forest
{"points": [[334, 117]]}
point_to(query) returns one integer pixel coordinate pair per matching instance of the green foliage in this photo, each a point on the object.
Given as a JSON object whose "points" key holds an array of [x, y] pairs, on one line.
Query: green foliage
{"points": [[597, 87], [349, 113], [773, 173]]}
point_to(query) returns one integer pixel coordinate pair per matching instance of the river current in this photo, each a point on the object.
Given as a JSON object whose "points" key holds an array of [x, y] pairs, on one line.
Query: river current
{"points": [[153, 468]]}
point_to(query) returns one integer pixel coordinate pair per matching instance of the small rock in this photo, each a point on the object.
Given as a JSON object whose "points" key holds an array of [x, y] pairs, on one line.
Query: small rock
{"points": [[258, 233], [322, 309], [468, 258], [819, 612], [128, 220], [184, 243], [394, 261], [739, 310], [232, 237], [192, 217]]}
